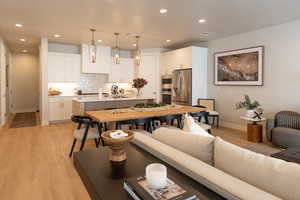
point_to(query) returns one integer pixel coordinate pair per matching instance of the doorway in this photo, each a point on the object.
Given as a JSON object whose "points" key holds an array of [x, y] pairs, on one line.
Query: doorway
{"points": [[24, 83]]}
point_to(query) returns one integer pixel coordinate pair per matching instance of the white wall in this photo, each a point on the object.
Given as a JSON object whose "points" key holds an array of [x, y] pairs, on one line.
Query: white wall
{"points": [[43, 81], [24, 77], [281, 90], [3, 100]]}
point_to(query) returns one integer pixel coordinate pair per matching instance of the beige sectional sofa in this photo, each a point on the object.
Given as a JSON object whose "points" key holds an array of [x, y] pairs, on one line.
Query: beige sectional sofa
{"points": [[235, 173]]}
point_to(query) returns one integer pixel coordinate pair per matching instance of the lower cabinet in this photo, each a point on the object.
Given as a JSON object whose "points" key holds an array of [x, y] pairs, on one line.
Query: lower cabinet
{"points": [[60, 108]]}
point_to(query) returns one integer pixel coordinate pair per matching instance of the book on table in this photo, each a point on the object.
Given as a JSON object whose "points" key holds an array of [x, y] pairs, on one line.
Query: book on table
{"points": [[139, 189]]}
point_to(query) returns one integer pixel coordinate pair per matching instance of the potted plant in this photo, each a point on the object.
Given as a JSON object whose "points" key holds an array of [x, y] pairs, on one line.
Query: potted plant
{"points": [[139, 83], [249, 106]]}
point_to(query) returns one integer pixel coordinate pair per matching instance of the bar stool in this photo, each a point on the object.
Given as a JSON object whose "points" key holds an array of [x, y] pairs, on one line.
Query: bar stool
{"points": [[88, 133]]}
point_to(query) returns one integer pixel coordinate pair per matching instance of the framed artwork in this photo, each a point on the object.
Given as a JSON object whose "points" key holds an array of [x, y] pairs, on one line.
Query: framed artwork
{"points": [[239, 67]]}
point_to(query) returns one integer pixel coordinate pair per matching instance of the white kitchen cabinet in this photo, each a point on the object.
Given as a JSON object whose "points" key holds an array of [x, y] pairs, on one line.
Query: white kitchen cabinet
{"points": [[176, 59], [189, 57], [56, 110], [56, 64], [60, 108], [63, 67], [72, 68], [149, 70], [67, 108], [103, 60], [123, 72]]}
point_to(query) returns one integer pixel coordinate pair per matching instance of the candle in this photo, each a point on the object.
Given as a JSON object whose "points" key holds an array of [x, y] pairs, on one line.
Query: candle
{"points": [[156, 176]]}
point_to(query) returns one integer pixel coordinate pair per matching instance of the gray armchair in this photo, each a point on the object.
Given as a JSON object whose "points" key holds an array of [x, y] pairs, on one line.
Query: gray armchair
{"points": [[284, 130]]}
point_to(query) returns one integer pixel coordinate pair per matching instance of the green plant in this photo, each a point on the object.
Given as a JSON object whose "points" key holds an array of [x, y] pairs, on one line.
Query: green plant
{"points": [[150, 105], [247, 104]]}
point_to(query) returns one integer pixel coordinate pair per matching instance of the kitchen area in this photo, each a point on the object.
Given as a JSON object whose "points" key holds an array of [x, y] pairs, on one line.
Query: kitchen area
{"points": [[75, 85]]}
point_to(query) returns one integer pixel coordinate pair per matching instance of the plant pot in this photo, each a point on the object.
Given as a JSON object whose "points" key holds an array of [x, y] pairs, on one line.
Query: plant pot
{"points": [[250, 113]]}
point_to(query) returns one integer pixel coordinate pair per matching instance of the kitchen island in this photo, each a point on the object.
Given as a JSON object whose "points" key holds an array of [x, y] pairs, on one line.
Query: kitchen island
{"points": [[82, 104]]}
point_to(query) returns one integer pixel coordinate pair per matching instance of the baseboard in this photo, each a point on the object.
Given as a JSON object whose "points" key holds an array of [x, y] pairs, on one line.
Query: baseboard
{"points": [[45, 123], [240, 127], [25, 110]]}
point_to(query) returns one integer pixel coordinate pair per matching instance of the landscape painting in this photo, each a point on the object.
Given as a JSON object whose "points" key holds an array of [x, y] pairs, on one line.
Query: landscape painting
{"points": [[239, 67]]}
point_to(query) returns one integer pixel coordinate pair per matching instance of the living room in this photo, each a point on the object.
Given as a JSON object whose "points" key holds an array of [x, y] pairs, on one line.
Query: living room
{"points": [[93, 133]]}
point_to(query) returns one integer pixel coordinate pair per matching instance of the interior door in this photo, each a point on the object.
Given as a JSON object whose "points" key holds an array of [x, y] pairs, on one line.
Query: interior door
{"points": [[149, 71]]}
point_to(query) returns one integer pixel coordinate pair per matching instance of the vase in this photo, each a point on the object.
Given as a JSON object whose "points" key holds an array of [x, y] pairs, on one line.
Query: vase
{"points": [[250, 113], [138, 92], [117, 146]]}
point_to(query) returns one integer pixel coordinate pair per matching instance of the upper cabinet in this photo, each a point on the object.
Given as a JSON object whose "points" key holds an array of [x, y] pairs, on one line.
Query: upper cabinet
{"points": [[63, 67], [123, 72], [176, 59], [103, 60], [190, 57]]}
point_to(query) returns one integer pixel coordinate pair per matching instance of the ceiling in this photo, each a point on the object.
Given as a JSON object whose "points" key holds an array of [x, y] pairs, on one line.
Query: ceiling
{"points": [[73, 18]]}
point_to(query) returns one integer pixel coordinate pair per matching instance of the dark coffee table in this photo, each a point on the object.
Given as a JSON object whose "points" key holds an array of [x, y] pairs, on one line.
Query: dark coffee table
{"points": [[291, 155], [104, 180]]}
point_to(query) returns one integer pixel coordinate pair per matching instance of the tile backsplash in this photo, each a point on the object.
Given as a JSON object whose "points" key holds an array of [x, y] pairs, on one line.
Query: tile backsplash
{"points": [[89, 83]]}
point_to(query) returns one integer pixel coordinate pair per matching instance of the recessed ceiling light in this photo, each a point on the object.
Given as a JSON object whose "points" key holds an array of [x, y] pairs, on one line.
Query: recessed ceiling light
{"points": [[22, 39], [57, 35], [201, 20], [168, 40], [134, 45], [24, 51], [99, 41], [19, 25], [163, 11]]}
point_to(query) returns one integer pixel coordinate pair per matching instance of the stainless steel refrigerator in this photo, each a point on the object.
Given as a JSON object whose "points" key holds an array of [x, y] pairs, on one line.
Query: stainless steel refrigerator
{"points": [[182, 86]]}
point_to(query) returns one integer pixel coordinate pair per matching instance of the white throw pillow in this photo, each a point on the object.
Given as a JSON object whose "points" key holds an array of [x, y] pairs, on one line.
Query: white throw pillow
{"points": [[200, 147], [189, 125], [275, 176]]}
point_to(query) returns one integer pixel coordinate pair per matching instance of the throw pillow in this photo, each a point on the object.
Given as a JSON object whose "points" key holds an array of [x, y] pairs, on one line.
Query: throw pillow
{"points": [[189, 125]]}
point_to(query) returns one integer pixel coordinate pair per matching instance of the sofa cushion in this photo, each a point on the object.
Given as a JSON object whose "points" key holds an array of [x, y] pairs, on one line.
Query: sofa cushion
{"points": [[270, 174], [285, 137], [201, 147], [189, 125], [218, 181]]}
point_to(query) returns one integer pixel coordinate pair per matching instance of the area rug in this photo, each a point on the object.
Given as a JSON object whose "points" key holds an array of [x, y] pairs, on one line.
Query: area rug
{"points": [[24, 120]]}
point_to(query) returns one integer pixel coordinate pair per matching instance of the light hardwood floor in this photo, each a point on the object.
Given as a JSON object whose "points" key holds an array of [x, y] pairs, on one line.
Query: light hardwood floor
{"points": [[35, 164]]}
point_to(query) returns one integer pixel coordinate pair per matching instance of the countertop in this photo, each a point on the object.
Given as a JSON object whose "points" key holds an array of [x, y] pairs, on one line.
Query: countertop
{"points": [[72, 96], [84, 99]]}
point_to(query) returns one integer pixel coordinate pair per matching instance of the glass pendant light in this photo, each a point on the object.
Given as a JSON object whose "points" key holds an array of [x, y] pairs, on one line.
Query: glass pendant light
{"points": [[137, 58], [116, 50], [93, 47]]}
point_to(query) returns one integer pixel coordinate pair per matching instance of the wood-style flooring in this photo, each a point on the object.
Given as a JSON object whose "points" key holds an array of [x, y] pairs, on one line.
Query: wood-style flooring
{"points": [[35, 164]]}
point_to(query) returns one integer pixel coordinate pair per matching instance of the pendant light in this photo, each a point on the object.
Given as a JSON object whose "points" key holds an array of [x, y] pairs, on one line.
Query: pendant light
{"points": [[93, 47], [116, 50], [137, 58]]}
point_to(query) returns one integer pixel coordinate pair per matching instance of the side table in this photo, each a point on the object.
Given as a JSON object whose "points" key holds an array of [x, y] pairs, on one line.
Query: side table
{"points": [[254, 130]]}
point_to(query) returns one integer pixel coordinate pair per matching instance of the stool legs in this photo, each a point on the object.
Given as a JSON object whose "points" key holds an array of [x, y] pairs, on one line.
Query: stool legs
{"points": [[84, 137], [99, 126], [73, 145]]}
